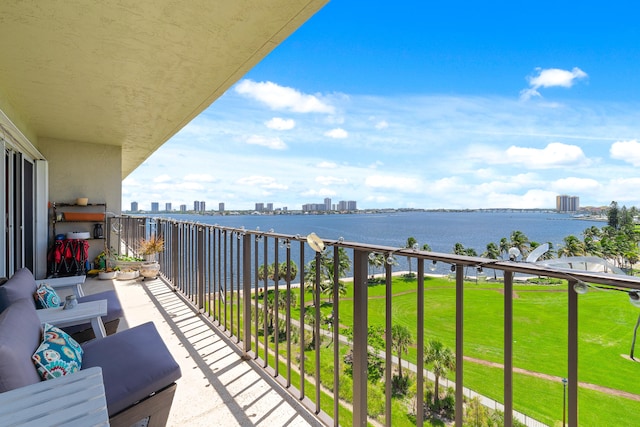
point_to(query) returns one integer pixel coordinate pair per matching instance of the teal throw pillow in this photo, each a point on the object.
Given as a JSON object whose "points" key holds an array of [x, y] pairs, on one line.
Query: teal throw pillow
{"points": [[58, 355], [46, 297]]}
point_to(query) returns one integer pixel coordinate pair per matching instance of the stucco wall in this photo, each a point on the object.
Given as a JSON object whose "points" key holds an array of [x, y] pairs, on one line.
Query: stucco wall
{"points": [[84, 170]]}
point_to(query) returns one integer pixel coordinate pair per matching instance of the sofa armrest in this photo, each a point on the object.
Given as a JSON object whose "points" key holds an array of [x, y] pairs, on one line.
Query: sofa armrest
{"points": [[73, 282], [77, 400]]}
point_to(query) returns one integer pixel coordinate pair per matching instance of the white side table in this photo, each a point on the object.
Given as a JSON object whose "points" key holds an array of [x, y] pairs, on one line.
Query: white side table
{"points": [[75, 400], [83, 312]]}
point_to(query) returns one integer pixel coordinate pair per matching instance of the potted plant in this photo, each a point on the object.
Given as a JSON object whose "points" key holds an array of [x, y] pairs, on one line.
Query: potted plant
{"points": [[149, 248]]}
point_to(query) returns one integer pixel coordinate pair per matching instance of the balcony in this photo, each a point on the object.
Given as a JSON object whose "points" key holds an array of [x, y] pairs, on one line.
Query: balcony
{"points": [[235, 373]]}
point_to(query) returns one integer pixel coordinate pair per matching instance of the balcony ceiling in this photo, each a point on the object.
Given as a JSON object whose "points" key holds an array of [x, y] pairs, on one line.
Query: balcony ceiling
{"points": [[130, 73]]}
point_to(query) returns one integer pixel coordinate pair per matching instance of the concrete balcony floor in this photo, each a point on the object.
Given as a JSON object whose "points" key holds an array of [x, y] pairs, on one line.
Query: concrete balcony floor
{"points": [[217, 387]]}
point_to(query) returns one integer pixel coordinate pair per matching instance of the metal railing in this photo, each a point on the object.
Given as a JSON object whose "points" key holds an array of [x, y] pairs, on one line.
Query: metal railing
{"points": [[224, 272]]}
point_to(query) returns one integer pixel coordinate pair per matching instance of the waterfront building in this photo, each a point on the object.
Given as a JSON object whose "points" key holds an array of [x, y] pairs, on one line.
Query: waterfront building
{"points": [[167, 207], [155, 207], [183, 208], [565, 203], [221, 207], [259, 207], [269, 207], [134, 206], [196, 206], [327, 204]]}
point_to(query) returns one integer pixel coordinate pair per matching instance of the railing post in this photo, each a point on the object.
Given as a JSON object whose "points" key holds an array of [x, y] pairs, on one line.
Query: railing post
{"points": [[508, 348], [246, 295], [200, 267], [459, 344], [360, 332], [572, 363]]}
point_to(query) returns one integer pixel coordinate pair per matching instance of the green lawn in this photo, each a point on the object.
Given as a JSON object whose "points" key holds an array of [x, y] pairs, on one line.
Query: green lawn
{"points": [[540, 343]]}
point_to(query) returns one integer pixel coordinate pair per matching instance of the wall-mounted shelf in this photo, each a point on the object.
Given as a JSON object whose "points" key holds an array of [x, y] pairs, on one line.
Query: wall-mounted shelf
{"points": [[69, 256]]}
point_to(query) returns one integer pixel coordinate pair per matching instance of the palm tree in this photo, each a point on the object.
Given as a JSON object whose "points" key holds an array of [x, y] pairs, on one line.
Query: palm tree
{"points": [[442, 359], [521, 241], [376, 261], [572, 247], [327, 272], [400, 341], [504, 246], [492, 252], [411, 241]]}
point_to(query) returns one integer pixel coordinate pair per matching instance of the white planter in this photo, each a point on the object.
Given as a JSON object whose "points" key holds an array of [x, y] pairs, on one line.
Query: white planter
{"points": [[127, 275], [107, 275], [149, 269]]}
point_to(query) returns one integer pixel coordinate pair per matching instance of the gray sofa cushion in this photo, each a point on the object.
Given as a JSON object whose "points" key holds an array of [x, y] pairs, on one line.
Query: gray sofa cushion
{"points": [[23, 285], [134, 362], [20, 285], [20, 336]]}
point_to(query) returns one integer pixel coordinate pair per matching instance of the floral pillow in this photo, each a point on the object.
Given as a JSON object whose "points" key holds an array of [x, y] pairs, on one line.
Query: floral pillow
{"points": [[46, 297], [58, 355]]}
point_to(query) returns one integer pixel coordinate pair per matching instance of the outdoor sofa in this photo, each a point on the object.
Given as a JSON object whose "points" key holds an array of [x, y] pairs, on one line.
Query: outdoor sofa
{"points": [[139, 372], [23, 285]]}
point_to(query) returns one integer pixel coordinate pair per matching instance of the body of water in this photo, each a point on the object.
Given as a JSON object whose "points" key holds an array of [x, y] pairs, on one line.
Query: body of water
{"points": [[441, 230]]}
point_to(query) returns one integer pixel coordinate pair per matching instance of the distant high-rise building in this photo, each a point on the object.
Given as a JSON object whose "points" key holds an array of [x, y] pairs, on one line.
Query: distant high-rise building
{"points": [[565, 203], [134, 206], [196, 206], [183, 208], [203, 206], [259, 207], [327, 204], [351, 205], [269, 207], [220, 207], [155, 207], [167, 207]]}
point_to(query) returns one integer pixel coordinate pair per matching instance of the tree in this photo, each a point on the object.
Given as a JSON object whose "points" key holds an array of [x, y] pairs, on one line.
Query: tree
{"points": [[411, 241], [327, 272], [504, 246], [612, 215], [521, 241], [400, 342], [442, 359], [572, 247], [376, 261], [426, 247], [492, 252]]}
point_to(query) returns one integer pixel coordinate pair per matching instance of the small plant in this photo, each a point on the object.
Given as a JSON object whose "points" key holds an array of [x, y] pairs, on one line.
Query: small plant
{"points": [[151, 246]]}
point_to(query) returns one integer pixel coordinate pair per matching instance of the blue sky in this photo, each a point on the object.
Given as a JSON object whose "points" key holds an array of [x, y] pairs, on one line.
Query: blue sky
{"points": [[416, 105]]}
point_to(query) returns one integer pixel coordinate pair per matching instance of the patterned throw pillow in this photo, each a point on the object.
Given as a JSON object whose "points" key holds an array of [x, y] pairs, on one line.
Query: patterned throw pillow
{"points": [[46, 297], [58, 355]]}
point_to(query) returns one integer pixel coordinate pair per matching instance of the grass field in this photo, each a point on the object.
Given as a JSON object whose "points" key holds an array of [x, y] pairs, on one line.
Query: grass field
{"points": [[540, 345], [540, 342]]}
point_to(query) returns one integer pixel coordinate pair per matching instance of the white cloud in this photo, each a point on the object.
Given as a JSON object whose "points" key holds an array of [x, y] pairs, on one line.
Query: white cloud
{"points": [[262, 182], [629, 151], [575, 185], [337, 133], [162, 178], [553, 155], [202, 177], [279, 123], [273, 143], [330, 180], [382, 125], [322, 192], [327, 165], [391, 182], [282, 98], [551, 77]]}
